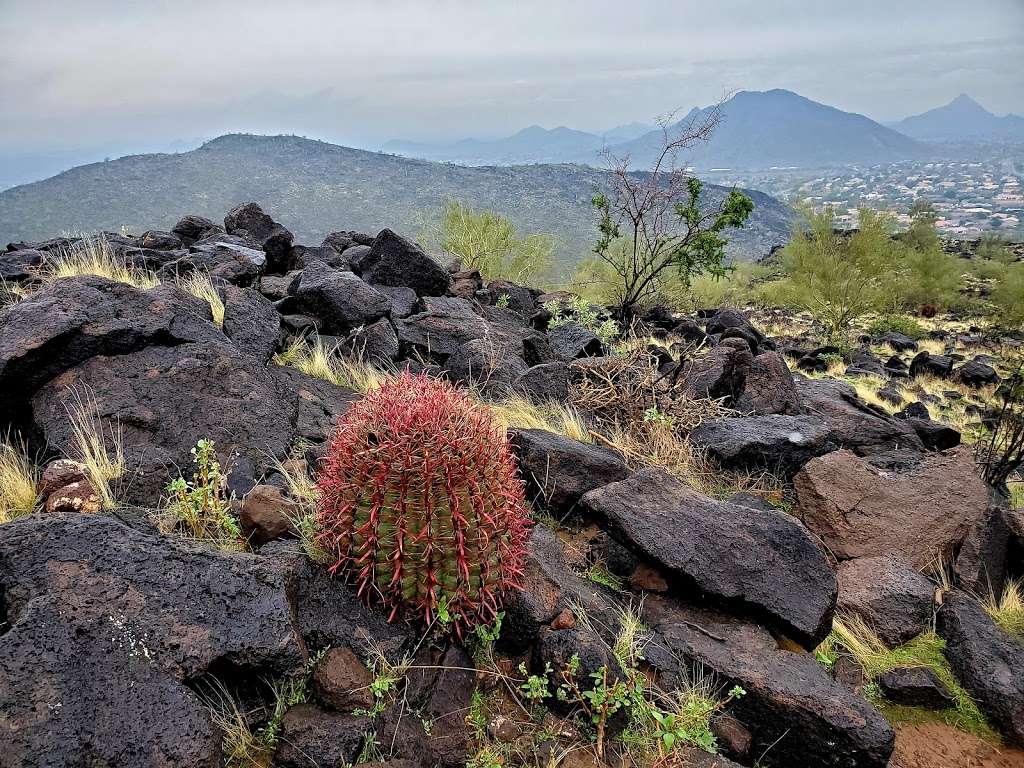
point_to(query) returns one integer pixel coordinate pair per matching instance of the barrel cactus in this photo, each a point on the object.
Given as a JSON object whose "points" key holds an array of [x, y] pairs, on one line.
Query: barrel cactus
{"points": [[420, 504]]}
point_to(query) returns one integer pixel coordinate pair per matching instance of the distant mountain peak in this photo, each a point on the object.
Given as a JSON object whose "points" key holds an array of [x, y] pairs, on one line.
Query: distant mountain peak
{"points": [[961, 119]]}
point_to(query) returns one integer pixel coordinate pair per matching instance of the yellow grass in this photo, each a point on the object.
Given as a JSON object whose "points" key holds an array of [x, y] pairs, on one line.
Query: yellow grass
{"points": [[18, 479], [517, 411], [200, 285], [1007, 610], [94, 256], [104, 466], [322, 363]]}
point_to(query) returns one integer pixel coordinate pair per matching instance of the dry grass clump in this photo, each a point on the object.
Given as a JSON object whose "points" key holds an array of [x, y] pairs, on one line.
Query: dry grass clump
{"points": [[518, 411], [315, 359], [623, 391], [200, 285], [104, 466], [94, 256], [1007, 609], [19, 477]]}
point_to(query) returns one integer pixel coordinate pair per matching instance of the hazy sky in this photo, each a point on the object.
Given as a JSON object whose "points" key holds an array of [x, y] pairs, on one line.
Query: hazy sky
{"points": [[90, 72]]}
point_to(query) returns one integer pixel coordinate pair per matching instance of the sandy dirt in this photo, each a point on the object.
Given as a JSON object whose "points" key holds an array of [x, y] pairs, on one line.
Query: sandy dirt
{"points": [[935, 745]]}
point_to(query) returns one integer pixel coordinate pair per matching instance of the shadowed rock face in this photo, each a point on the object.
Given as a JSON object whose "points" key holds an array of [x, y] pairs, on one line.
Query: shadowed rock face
{"points": [[988, 662], [860, 510], [72, 320], [795, 712], [762, 560], [107, 623]]}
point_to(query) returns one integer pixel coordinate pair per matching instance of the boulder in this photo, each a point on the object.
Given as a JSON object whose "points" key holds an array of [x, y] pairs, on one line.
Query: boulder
{"points": [[853, 423], [249, 220], [223, 257], [934, 435], [898, 341], [559, 470], [940, 366], [547, 382], [782, 443], [393, 260], [984, 559], [301, 256], [796, 714], [571, 340], [890, 596], [74, 319], [403, 300], [520, 300], [18, 266], [719, 372], [160, 241], [444, 326], [108, 623], [915, 687], [189, 229], [486, 364], [315, 738], [339, 299], [988, 662], [58, 474], [976, 373], [79, 496], [768, 388], [251, 322], [729, 319], [921, 513], [163, 399], [376, 343], [763, 561]]}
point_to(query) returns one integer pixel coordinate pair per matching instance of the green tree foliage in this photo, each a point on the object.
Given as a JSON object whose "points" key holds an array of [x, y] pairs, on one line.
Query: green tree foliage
{"points": [[928, 275], [654, 227], [838, 278], [488, 242], [1008, 296]]}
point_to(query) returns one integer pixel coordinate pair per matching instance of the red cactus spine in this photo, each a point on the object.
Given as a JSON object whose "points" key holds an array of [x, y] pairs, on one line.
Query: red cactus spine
{"points": [[420, 504]]}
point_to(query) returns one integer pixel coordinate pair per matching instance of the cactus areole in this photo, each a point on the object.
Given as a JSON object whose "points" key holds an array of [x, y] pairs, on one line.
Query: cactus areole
{"points": [[420, 503]]}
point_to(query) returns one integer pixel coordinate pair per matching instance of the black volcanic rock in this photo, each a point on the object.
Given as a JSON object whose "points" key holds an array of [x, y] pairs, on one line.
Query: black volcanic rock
{"points": [[249, 220], [395, 261], [766, 562], [107, 623]]}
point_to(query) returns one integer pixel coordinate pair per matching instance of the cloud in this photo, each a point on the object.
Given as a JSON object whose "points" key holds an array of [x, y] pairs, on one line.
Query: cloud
{"points": [[73, 73]]}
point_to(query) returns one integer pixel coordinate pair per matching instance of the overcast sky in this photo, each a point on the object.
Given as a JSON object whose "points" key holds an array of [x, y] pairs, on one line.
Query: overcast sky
{"points": [[91, 72]]}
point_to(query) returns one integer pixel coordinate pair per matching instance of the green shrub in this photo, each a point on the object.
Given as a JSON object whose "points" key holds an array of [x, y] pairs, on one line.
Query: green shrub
{"points": [[199, 507], [908, 326], [486, 241]]}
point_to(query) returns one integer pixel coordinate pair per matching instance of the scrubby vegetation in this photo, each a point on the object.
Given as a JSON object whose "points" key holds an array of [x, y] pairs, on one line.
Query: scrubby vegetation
{"points": [[486, 241], [18, 479]]}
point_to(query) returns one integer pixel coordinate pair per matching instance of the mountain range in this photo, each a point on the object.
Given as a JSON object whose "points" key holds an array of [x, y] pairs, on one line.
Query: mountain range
{"points": [[963, 119], [759, 130], [315, 187]]}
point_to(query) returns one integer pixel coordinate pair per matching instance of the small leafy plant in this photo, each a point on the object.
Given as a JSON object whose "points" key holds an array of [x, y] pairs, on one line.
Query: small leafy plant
{"points": [[199, 507], [581, 312]]}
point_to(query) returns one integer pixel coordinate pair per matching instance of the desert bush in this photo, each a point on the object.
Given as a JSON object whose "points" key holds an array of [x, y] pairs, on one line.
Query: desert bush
{"points": [[420, 504], [489, 242], [837, 277], [98, 447], [1008, 296], [908, 326], [582, 312]]}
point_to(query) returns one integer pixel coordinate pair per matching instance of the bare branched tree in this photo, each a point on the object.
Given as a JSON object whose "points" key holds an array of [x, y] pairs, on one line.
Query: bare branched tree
{"points": [[652, 221]]}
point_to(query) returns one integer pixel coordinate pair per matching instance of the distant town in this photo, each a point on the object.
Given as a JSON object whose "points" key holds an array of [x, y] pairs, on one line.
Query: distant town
{"points": [[970, 198]]}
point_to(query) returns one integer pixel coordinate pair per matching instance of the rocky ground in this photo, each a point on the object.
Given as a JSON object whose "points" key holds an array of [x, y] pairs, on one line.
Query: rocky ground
{"points": [[773, 538]]}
